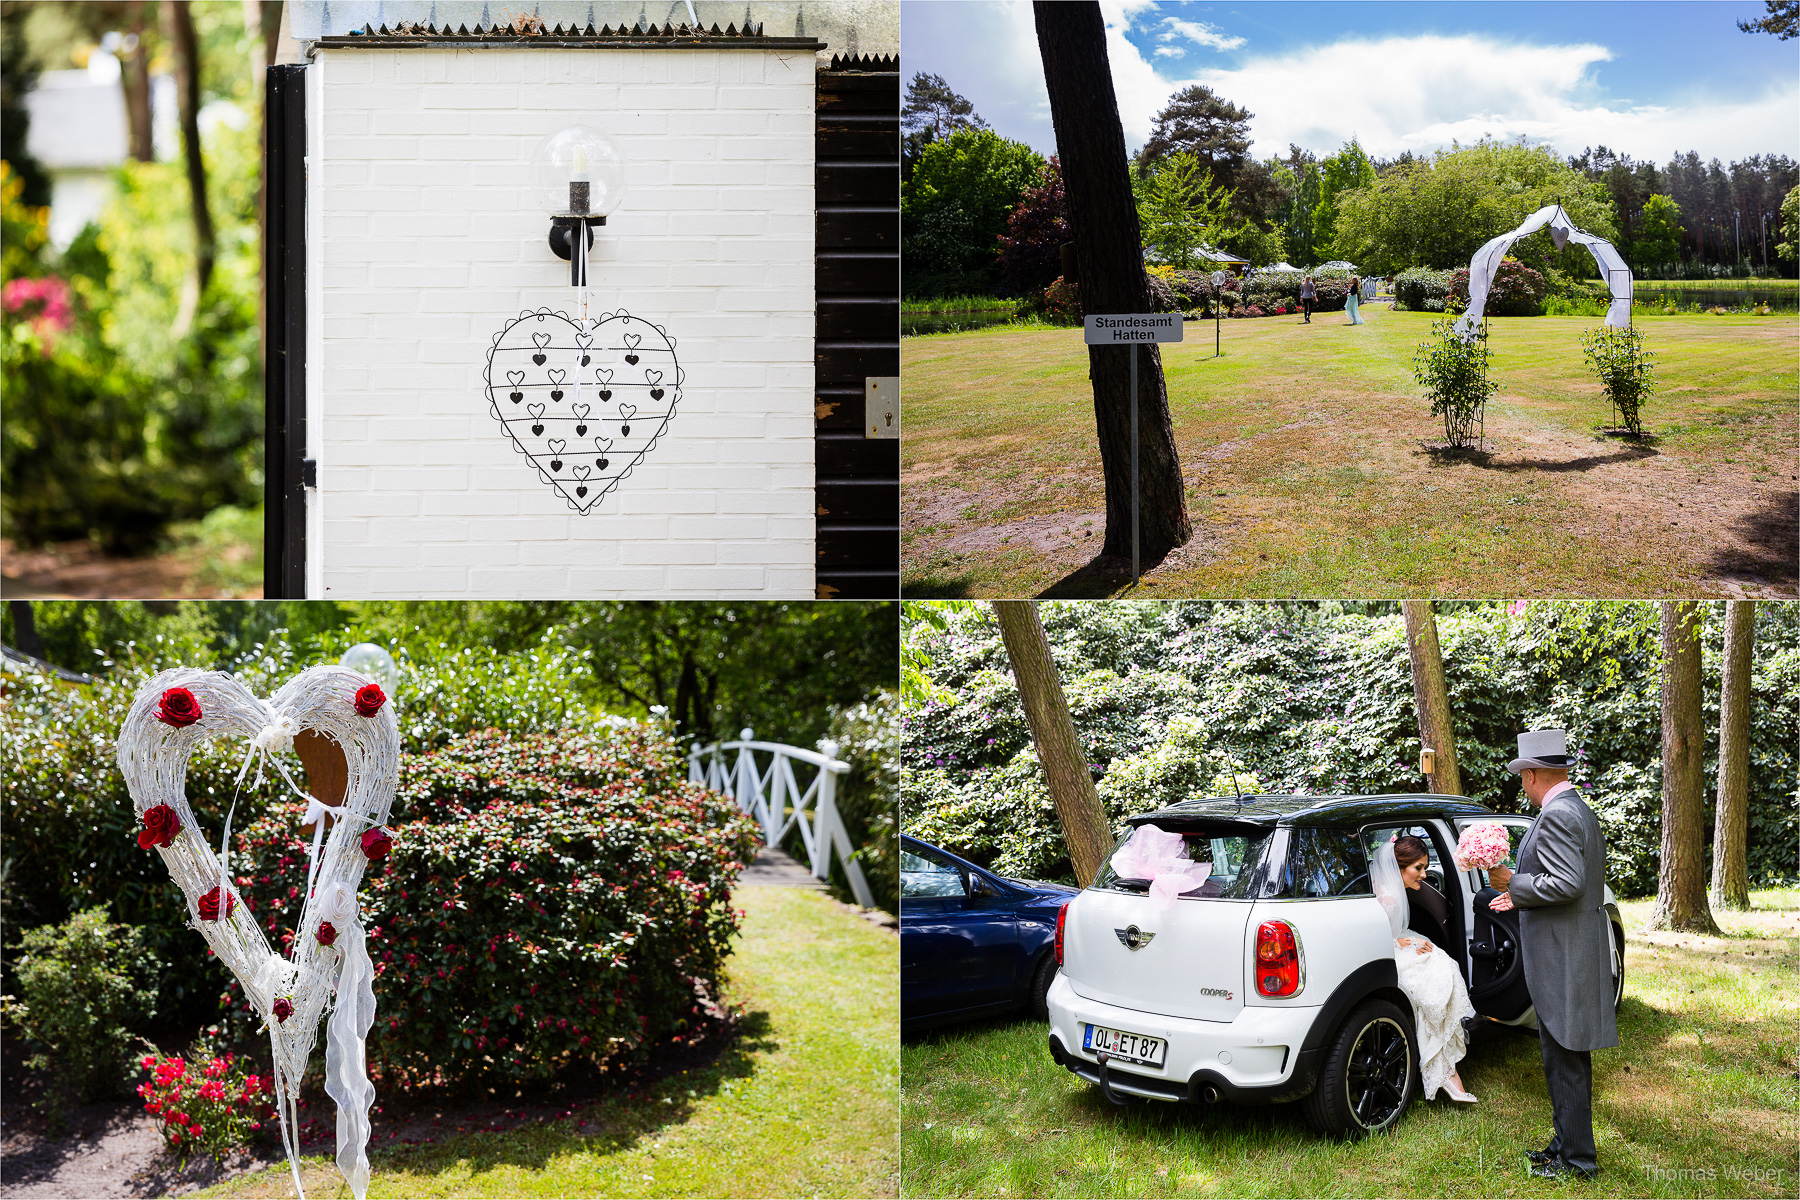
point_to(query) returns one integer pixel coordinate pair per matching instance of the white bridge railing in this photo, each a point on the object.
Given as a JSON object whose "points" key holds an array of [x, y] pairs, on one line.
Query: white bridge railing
{"points": [[774, 797]]}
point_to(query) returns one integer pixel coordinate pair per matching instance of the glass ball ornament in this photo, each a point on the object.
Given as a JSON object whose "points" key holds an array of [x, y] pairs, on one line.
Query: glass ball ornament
{"points": [[578, 170], [368, 659]]}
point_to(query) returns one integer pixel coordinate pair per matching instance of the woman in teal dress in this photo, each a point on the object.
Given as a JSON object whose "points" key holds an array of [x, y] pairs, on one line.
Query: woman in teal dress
{"points": [[1350, 301]]}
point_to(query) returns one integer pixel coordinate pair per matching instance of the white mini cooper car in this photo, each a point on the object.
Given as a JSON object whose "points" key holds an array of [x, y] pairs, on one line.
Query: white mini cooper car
{"points": [[1274, 980]]}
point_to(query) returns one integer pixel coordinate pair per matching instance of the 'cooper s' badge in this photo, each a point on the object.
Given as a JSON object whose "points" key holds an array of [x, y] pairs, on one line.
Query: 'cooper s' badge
{"points": [[1133, 938]]}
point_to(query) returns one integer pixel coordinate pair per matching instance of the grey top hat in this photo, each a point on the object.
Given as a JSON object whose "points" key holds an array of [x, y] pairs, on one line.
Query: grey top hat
{"points": [[1546, 748]]}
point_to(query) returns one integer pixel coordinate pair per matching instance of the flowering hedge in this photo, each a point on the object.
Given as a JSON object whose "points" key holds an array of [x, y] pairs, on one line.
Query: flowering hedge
{"points": [[207, 1104], [548, 899], [1517, 291]]}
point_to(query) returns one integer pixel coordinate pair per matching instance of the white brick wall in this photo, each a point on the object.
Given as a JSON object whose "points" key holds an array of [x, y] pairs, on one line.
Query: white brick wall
{"points": [[425, 238]]}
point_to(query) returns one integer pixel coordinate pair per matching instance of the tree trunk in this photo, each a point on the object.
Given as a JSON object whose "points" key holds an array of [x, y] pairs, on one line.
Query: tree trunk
{"points": [[25, 634], [1431, 698], [187, 88], [1060, 752], [1730, 875], [1681, 874], [1103, 221], [136, 81]]}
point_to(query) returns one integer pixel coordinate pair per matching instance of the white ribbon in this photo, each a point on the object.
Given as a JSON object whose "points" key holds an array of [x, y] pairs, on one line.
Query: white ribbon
{"points": [[346, 1059]]}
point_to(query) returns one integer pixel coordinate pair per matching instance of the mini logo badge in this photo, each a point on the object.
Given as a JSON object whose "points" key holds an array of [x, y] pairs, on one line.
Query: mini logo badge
{"points": [[1133, 938]]}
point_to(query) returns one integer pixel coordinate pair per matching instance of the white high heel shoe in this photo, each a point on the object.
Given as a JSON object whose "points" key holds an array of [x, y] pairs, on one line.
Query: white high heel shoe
{"points": [[1457, 1094]]}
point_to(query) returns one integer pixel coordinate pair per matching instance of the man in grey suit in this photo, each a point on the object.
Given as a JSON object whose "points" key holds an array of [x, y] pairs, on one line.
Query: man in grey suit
{"points": [[1567, 943]]}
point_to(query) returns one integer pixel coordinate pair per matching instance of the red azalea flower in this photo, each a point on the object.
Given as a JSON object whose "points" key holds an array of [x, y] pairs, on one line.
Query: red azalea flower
{"points": [[369, 699], [161, 824], [327, 934], [376, 843], [283, 1009], [209, 905], [178, 708]]}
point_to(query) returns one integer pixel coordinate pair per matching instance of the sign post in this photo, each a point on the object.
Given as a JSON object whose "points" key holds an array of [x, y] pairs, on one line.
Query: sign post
{"points": [[1132, 330]]}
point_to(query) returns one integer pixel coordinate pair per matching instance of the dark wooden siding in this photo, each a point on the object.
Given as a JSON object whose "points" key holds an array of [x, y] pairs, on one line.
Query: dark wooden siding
{"points": [[284, 357], [858, 280]]}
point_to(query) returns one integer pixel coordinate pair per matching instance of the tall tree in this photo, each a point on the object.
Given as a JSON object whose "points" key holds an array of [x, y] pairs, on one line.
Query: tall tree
{"points": [[1031, 247], [1090, 145], [1681, 870], [1349, 168], [1059, 748], [1783, 20], [1203, 123], [932, 112], [955, 207], [1431, 698], [1730, 873], [135, 79], [1181, 212], [180, 25]]}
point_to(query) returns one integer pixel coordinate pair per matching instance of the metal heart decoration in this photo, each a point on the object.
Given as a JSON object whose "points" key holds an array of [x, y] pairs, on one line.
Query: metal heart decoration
{"points": [[179, 710], [584, 401]]}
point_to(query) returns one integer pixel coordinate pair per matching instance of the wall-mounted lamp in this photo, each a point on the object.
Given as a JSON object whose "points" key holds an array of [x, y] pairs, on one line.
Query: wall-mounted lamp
{"points": [[579, 177]]}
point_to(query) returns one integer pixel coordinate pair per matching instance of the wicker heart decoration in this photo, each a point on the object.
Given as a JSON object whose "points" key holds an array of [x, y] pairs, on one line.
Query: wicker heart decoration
{"points": [[176, 711], [583, 400]]}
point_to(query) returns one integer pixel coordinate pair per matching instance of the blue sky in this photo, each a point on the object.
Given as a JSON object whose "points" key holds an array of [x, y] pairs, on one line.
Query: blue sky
{"points": [[1646, 79]]}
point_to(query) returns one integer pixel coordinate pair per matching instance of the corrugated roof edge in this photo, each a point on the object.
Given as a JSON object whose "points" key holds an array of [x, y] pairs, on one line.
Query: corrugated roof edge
{"points": [[637, 37]]}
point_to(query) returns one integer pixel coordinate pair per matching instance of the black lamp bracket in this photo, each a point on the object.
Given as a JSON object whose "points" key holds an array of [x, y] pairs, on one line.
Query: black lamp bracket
{"points": [[562, 227]]}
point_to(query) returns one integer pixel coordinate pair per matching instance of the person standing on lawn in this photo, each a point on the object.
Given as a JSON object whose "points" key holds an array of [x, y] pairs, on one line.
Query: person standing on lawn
{"points": [[1567, 943], [1350, 300], [1307, 294]]}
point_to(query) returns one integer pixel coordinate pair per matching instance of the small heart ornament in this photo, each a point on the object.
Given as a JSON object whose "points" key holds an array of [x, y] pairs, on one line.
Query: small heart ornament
{"points": [[177, 711], [548, 354]]}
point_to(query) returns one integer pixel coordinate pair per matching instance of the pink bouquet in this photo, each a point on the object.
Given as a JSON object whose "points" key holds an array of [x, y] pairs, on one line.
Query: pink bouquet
{"points": [[1484, 845], [1162, 858]]}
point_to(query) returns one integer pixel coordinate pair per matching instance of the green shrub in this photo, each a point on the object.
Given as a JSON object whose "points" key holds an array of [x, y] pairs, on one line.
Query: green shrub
{"points": [[82, 985], [867, 736], [550, 899], [1618, 357], [1418, 288], [1517, 290], [1454, 372], [206, 1102]]}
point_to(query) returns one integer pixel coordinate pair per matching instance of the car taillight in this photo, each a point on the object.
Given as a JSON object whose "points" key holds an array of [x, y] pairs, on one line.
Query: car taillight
{"points": [[1277, 959], [1062, 917]]}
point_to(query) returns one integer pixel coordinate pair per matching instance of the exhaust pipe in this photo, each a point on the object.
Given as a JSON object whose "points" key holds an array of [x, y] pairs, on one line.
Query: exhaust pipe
{"points": [[1209, 1093]]}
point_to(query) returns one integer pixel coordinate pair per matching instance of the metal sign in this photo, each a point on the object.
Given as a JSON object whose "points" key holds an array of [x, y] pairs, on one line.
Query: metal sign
{"points": [[1132, 329]]}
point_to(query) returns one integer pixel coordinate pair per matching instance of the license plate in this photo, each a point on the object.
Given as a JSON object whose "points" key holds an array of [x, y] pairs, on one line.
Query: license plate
{"points": [[1132, 1047]]}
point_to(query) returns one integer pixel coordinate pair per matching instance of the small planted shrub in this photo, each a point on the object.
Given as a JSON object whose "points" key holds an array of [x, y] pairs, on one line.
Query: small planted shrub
{"points": [[207, 1103], [81, 984], [549, 900], [1062, 302], [1625, 369], [1454, 372]]}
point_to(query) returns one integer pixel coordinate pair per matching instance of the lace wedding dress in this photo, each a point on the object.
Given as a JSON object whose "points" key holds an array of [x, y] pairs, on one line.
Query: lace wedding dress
{"points": [[1430, 980]]}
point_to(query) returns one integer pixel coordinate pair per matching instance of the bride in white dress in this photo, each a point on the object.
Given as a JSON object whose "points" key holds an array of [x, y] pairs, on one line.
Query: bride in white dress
{"points": [[1428, 975]]}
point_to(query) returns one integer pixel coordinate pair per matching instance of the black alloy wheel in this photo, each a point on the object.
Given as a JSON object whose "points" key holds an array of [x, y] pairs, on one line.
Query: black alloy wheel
{"points": [[1380, 1061], [1370, 1074]]}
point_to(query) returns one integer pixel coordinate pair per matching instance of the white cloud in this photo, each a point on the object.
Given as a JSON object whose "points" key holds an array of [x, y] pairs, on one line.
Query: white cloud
{"points": [[1197, 32]]}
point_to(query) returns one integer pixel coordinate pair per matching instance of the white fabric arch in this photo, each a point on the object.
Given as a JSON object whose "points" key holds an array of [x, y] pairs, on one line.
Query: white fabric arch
{"points": [[1487, 261]]}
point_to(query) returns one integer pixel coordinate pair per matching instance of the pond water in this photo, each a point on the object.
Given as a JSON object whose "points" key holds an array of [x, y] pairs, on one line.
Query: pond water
{"points": [[1779, 299]]}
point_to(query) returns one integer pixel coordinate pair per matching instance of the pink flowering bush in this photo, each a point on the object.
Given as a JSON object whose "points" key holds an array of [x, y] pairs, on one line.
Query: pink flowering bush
{"points": [[45, 303], [549, 899], [1483, 845], [208, 1103]]}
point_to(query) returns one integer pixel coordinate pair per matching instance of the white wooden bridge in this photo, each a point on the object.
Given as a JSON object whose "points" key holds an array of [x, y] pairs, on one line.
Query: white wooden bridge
{"points": [[773, 796]]}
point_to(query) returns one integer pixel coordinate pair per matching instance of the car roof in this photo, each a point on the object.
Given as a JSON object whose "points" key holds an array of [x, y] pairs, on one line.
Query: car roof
{"points": [[1291, 810]]}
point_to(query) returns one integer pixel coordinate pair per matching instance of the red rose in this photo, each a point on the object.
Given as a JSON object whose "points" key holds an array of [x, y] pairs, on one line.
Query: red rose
{"points": [[369, 699], [178, 708], [160, 827], [282, 1009], [376, 843], [209, 905], [327, 933]]}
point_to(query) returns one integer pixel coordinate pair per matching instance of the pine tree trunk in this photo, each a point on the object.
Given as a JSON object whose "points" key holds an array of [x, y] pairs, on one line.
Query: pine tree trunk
{"points": [[1681, 873], [1431, 697], [1103, 221], [1059, 749], [186, 45], [1730, 874], [136, 81]]}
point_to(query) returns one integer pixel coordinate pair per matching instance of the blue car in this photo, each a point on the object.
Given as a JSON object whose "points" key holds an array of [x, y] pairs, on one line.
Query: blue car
{"points": [[972, 943]]}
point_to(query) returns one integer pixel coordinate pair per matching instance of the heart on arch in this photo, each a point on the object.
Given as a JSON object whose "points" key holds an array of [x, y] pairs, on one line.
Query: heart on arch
{"points": [[177, 711], [551, 347]]}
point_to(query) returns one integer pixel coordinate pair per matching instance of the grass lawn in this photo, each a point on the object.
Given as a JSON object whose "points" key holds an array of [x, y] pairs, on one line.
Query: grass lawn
{"points": [[806, 1106], [1309, 472], [1702, 1085]]}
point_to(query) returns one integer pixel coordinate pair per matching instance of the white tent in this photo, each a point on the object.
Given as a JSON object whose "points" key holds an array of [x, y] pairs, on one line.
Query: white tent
{"points": [[1487, 261]]}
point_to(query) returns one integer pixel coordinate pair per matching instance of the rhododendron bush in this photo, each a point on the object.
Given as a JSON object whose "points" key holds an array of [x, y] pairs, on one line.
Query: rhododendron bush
{"points": [[208, 1102], [548, 899]]}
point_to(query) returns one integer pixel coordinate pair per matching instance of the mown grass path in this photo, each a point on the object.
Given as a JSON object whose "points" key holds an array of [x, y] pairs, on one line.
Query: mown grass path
{"points": [[1698, 1100], [1309, 471], [805, 1105]]}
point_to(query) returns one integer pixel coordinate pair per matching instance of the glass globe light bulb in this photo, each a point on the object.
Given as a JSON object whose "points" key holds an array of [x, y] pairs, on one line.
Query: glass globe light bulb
{"points": [[578, 170], [376, 663]]}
